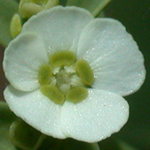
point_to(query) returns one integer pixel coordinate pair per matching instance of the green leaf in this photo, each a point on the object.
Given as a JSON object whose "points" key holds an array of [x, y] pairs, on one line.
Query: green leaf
{"points": [[7, 9], [6, 119], [23, 136], [94, 6]]}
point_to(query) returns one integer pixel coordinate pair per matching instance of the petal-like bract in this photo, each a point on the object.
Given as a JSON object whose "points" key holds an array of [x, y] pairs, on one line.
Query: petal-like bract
{"points": [[113, 55], [23, 57], [36, 109], [59, 27], [97, 117]]}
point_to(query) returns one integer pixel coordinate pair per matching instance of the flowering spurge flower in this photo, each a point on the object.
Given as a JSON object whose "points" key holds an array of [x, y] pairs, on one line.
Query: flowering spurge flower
{"points": [[69, 71]]}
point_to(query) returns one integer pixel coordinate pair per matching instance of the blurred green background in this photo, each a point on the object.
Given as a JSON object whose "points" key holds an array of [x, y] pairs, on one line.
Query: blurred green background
{"points": [[135, 15]]}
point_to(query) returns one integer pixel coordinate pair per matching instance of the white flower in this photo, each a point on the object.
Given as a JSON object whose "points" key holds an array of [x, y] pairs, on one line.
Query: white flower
{"points": [[108, 52]]}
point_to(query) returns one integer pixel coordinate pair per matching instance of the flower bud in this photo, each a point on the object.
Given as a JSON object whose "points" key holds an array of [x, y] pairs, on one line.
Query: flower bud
{"points": [[15, 25], [28, 8]]}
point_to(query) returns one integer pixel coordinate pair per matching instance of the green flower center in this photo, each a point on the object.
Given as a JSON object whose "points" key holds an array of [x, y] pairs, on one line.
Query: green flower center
{"points": [[65, 78]]}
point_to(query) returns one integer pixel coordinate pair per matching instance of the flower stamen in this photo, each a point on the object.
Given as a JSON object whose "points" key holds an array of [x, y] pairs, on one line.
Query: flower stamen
{"points": [[62, 58], [76, 94], [84, 71], [53, 93], [66, 77], [44, 74]]}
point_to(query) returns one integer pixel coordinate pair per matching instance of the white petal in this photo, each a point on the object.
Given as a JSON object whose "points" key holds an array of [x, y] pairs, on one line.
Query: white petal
{"points": [[113, 55], [35, 109], [22, 59], [59, 27], [95, 118]]}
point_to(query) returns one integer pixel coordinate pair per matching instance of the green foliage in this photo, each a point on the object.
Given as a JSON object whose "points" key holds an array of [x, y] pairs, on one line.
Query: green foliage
{"points": [[94, 6], [22, 135], [7, 9], [6, 119]]}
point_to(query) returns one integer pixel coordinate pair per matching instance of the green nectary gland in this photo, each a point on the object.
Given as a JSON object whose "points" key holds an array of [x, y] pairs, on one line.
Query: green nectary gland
{"points": [[65, 78]]}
